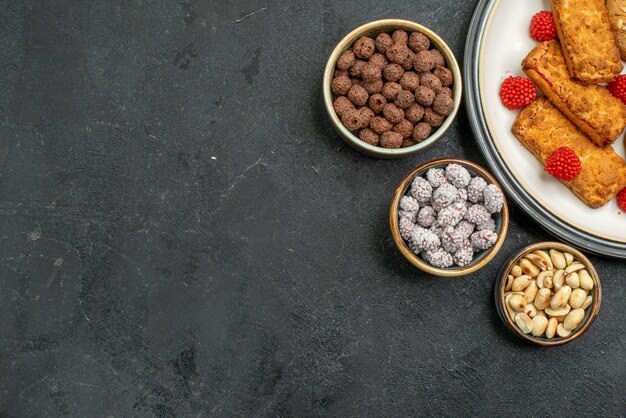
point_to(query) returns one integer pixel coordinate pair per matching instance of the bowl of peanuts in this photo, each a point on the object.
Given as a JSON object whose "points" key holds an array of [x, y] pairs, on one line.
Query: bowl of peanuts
{"points": [[548, 294], [392, 88]]}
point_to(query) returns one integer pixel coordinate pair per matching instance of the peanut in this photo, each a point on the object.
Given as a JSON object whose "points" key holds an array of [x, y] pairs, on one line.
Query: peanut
{"points": [[524, 322], [509, 283], [537, 261], [560, 298], [574, 267], [542, 277], [562, 332], [586, 282], [577, 298], [542, 299], [520, 283], [558, 279], [573, 280], [531, 291], [573, 319], [558, 259], [546, 258], [517, 303], [529, 268], [540, 323], [587, 302], [569, 259], [557, 312], [551, 328], [516, 271]]}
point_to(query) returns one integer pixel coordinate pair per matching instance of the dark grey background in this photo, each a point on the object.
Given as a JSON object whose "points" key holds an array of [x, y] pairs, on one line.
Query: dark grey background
{"points": [[184, 234]]}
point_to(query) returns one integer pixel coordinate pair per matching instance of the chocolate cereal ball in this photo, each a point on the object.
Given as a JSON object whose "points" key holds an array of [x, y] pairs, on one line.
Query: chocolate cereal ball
{"points": [[446, 90], [408, 62], [393, 72], [346, 59], [391, 90], [373, 86], [404, 128], [423, 95], [393, 113], [376, 102], [432, 118], [423, 61], [413, 113], [421, 132], [397, 52], [357, 67], [378, 60], [351, 119], [371, 72], [380, 125], [400, 36], [364, 47], [404, 99], [358, 95], [443, 104], [444, 75], [418, 42], [438, 58], [341, 105], [390, 139], [410, 81], [369, 136], [383, 41], [431, 81], [340, 85], [408, 142], [367, 115]]}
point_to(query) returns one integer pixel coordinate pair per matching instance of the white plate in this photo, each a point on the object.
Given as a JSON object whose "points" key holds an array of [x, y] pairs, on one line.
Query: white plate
{"points": [[499, 40]]}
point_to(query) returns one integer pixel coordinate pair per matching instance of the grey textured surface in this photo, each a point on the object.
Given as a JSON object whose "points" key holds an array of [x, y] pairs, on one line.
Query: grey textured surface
{"points": [[183, 234]]}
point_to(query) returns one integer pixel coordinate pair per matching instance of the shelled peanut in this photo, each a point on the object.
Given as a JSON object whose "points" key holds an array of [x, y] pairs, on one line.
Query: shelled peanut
{"points": [[547, 293]]}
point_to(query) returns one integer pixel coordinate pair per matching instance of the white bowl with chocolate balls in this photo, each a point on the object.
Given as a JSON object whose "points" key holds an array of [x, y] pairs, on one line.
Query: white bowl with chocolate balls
{"points": [[392, 88]]}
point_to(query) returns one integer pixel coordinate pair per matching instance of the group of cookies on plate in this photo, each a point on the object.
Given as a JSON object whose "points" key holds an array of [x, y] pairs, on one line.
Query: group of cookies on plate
{"points": [[571, 128]]}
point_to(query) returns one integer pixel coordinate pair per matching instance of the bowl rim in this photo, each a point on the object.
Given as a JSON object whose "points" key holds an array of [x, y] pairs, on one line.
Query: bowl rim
{"points": [[387, 25], [501, 283], [418, 262]]}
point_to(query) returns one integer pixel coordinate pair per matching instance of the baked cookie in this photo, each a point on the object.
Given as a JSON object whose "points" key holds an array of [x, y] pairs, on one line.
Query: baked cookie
{"points": [[588, 42], [543, 129], [616, 10], [592, 108]]}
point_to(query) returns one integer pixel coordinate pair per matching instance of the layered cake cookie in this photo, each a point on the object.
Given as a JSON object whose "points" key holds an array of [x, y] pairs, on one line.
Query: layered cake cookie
{"points": [[591, 107], [543, 130]]}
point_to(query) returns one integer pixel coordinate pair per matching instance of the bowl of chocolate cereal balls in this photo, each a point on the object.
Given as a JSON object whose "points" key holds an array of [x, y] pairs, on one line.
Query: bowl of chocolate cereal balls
{"points": [[392, 88], [449, 217]]}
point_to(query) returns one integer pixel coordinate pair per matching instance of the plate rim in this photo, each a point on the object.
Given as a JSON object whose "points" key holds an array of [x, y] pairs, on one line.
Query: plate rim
{"points": [[521, 198]]}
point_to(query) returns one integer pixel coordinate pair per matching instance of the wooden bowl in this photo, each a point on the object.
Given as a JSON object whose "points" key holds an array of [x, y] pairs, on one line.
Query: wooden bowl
{"points": [[590, 313], [372, 29], [480, 260]]}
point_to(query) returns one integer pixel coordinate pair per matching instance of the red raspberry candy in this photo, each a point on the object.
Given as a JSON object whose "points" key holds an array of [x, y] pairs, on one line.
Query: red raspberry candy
{"points": [[618, 88], [621, 200], [542, 27], [563, 164], [517, 92]]}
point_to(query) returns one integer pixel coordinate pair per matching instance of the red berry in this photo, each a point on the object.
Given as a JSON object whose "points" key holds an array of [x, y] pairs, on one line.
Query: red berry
{"points": [[621, 200], [563, 164], [542, 27], [618, 88], [517, 92]]}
